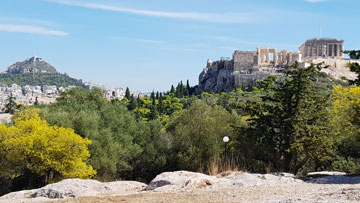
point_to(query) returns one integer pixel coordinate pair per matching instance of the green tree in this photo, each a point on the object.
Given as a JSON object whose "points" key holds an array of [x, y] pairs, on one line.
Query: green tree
{"points": [[152, 95], [161, 104], [290, 125], [157, 95], [133, 104], [36, 101], [197, 134], [152, 161], [172, 90], [353, 54], [267, 84], [355, 67], [11, 105], [127, 93]]}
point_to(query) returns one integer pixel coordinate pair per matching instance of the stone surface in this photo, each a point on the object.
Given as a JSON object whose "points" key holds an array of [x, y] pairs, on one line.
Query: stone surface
{"points": [[184, 180], [72, 188], [184, 186], [181, 180], [326, 173]]}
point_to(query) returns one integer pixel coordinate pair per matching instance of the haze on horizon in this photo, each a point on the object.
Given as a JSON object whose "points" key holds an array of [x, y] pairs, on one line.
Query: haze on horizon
{"points": [[150, 45]]}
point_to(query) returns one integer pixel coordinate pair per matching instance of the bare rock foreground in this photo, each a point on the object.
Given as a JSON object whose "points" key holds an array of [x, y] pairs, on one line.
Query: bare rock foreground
{"points": [[184, 186]]}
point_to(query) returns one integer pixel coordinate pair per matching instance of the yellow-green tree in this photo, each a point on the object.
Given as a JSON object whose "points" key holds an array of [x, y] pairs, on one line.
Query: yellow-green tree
{"points": [[52, 152], [346, 117]]}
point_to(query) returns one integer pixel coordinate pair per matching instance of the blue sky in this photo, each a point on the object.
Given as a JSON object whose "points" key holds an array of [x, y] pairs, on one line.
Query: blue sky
{"points": [[151, 44]]}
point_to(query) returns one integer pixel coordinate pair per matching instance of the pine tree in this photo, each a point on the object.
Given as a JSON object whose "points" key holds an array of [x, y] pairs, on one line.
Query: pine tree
{"points": [[11, 104], [291, 123], [353, 54], [354, 67]]}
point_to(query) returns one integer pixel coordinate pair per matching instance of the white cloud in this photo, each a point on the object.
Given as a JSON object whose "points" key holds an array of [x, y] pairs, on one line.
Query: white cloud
{"points": [[30, 29], [315, 1], [23, 20], [196, 16]]}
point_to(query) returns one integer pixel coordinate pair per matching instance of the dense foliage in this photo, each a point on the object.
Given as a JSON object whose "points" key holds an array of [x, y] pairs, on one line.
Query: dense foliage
{"points": [[119, 140], [57, 79]]}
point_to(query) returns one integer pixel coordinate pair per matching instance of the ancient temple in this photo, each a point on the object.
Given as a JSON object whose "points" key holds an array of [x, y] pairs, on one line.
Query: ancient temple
{"points": [[322, 48]]}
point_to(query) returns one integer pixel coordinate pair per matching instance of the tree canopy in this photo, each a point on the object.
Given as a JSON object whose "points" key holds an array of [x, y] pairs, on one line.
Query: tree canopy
{"points": [[51, 152]]}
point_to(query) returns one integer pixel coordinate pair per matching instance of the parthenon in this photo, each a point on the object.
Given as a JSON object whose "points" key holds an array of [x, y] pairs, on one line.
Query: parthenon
{"points": [[322, 48]]}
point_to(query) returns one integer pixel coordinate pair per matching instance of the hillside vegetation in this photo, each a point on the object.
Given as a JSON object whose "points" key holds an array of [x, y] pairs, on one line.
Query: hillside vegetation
{"points": [[40, 79]]}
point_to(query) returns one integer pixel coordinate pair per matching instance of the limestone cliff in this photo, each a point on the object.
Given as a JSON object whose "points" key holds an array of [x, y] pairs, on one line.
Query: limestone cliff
{"points": [[241, 72]]}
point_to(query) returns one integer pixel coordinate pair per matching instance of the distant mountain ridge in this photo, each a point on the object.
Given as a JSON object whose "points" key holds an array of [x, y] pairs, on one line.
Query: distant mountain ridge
{"points": [[33, 65], [35, 71]]}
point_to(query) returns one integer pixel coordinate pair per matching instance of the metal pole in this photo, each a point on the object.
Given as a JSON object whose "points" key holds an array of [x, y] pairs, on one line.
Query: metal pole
{"points": [[226, 156]]}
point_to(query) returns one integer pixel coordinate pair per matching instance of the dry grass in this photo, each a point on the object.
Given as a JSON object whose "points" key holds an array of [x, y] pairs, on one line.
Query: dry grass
{"points": [[218, 167]]}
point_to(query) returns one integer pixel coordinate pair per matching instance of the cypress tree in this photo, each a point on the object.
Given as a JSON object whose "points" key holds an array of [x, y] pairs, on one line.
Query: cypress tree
{"points": [[138, 102], [152, 95], [153, 113], [188, 88], [172, 90], [157, 95], [127, 93], [160, 107]]}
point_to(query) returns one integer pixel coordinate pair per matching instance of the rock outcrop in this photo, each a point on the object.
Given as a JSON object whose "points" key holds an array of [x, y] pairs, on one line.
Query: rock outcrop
{"points": [[185, 180], [240, 72], [185, 185], [72, 188]]}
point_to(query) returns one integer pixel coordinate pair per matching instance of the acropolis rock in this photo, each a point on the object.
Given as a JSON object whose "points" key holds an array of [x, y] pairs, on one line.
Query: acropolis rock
{"points": [[247, 67]]}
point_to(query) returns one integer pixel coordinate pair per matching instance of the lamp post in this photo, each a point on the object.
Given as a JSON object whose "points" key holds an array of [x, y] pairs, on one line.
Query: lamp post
{"points": [[226, 140]]}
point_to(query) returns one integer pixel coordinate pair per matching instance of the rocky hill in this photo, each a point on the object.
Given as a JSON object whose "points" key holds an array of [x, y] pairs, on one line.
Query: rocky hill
{"points": [[32, 65], [35, 71]]}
